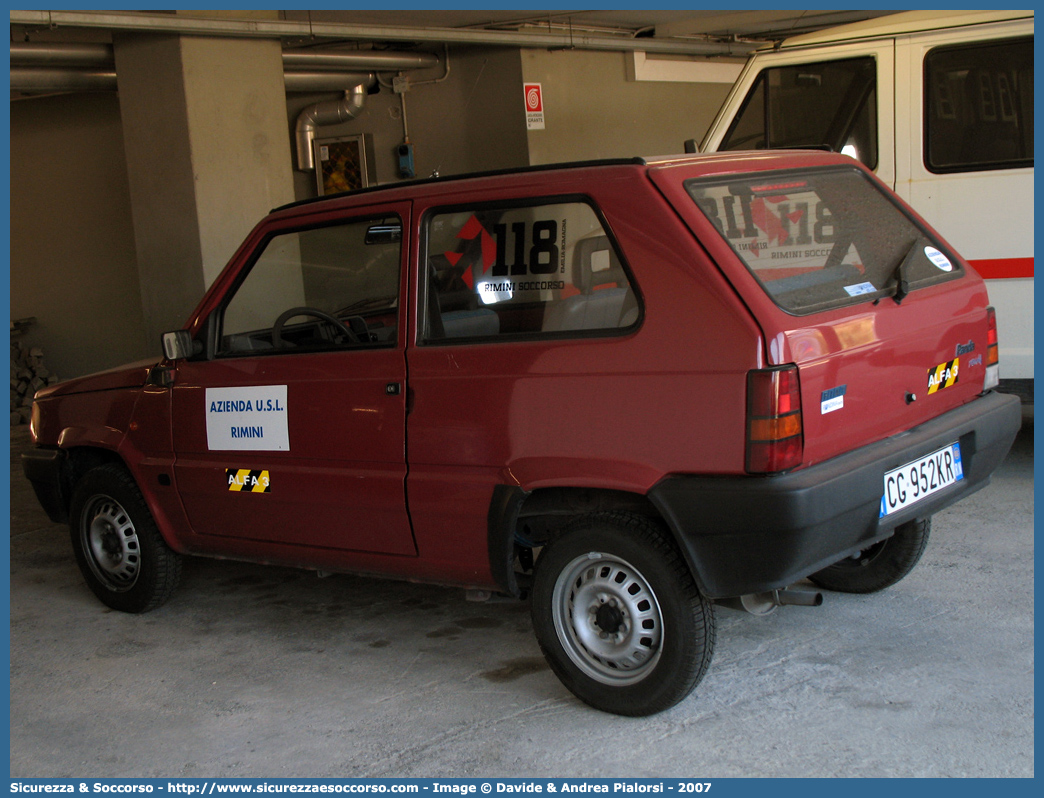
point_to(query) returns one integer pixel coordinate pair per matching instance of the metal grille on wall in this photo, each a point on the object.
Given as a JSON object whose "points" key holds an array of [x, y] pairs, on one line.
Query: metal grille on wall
{"points": [[341, 164]]}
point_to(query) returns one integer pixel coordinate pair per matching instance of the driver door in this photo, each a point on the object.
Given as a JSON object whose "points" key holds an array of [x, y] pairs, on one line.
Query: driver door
{"points": [[290, 429]]}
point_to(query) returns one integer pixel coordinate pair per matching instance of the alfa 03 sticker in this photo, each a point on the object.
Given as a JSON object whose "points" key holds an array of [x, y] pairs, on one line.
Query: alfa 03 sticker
{"points": [[247, 419], [943, 376], [246, 480]]}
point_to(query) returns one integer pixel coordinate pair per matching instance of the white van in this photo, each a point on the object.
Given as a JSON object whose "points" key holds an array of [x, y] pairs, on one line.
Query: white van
{"points": [[940, 105]]}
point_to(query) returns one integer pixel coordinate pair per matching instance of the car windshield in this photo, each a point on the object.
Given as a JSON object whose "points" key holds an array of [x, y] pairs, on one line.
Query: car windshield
{"points": [[817, 239], [830, 105]]}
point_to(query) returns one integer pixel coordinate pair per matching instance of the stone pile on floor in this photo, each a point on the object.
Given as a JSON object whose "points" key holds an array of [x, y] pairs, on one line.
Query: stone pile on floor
{"points": [[28, 375]]}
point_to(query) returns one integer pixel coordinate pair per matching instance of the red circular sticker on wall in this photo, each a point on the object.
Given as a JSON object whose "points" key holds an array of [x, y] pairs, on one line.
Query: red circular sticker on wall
{"points": [[534, 102]]}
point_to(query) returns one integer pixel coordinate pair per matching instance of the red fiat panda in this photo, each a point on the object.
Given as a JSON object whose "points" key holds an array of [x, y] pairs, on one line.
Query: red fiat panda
{"points": [[628, 389]]}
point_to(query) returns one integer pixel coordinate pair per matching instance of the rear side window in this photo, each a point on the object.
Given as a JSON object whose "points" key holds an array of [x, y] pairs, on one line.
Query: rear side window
{"points": [[817, 239], [524, 270], [829, 104], [979, 106]]}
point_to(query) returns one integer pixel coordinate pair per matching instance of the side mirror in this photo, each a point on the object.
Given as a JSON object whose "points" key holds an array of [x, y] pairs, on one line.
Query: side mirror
{"points": [[691, 145], [178, 345]]}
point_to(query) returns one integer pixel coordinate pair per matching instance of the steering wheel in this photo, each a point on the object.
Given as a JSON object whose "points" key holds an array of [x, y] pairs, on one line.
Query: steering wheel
{"points": [[286, 315]]}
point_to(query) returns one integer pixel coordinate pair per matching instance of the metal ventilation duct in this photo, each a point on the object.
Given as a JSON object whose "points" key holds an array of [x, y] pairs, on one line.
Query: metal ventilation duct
{"points": [[44, 68], [327, 113], [51, 80]]}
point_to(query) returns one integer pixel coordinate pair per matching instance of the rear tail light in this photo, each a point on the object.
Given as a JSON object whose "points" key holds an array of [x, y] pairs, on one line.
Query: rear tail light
{"points": [[992, 357], [774, 429]]}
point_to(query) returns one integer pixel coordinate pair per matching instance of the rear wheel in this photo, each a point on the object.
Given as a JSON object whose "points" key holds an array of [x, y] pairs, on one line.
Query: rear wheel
{"points": [[618, 615], [880, 565], [123, 558]]}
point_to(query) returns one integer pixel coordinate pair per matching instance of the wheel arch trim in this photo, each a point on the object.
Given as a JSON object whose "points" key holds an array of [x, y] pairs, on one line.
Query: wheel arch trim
{"points": [[510, 503]]}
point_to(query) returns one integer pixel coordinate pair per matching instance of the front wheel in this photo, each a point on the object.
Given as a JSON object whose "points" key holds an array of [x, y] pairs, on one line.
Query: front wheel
{"points": [[618, 615], [123, 558], [880, 565]]}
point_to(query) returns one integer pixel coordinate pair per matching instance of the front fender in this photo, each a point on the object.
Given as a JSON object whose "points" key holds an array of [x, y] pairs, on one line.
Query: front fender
{"points": [[108, 438]]}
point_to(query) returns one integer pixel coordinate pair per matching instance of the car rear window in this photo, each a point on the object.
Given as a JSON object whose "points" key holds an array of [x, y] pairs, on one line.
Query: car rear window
{"points": [[817, 239]]}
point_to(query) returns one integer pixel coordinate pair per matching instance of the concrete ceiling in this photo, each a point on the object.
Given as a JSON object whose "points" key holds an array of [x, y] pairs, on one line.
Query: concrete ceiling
{"points": [[762, 25], [46, 43], [655, 27]]}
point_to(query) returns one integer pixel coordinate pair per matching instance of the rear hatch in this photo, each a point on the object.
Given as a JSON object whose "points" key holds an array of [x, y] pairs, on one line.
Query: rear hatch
{"points": [[886, 324]]}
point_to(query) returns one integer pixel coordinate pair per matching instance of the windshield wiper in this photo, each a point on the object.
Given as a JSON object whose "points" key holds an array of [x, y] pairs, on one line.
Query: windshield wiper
{"points": [[902, 286]]}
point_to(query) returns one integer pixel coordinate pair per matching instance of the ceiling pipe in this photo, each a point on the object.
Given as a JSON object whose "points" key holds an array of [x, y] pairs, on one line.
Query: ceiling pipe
{"points": [[59, 67], [49, 80], [53, 54], [332, 112], [31, 54], [325, 81], [575, 38], [368, 60]]}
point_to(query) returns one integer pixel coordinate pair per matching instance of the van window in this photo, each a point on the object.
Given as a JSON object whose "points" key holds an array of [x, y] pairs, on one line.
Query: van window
{"points": [[817, 239], [979, 106], [523, 270], [829, 104]]}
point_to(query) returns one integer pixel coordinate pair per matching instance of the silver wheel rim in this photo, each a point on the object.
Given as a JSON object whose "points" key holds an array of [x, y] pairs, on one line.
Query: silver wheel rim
{"points": [[110, 543], [608, 619]]}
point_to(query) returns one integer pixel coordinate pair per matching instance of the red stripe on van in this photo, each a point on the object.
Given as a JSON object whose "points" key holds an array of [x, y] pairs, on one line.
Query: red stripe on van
{"points": [[1003, 268]]}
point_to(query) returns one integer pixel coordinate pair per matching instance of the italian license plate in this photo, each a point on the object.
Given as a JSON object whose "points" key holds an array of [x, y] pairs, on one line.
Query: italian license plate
{"points": [[919, 479]]}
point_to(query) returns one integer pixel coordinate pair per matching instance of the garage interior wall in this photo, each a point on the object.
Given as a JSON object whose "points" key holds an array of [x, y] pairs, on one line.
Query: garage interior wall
{"points": [[207, 156], [472, 121], [73, 262], [592, 110]]}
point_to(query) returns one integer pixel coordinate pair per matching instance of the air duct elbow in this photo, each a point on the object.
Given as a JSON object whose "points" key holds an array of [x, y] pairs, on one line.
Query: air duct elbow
{"points": [[332, 112]]}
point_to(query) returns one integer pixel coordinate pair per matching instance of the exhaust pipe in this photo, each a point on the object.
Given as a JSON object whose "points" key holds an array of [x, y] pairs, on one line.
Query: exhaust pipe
{"points": [[764, 603], [799, 598]]}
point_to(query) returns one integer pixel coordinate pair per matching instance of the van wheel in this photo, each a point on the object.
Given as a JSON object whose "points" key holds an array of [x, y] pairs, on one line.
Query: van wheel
{"points": [[118, 547], [882, 564], [618, 615]]}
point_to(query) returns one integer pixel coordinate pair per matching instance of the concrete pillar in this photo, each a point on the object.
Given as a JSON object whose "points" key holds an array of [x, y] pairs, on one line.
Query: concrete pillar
{"points": [[208, 154]]}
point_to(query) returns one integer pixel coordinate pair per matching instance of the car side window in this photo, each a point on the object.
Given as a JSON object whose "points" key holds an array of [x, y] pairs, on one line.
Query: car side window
{"points": [[979, 106], [325, 287], [524, 270]]}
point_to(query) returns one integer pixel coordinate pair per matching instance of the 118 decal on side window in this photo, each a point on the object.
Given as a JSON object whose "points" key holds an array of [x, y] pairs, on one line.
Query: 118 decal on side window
{"points": [[543, 253]]}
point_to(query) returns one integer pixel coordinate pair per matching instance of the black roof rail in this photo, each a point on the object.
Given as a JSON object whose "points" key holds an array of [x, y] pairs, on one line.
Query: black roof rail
{"points": [[466, 176]]}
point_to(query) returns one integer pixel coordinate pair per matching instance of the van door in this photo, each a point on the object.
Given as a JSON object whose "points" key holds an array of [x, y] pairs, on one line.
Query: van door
{"points": [[964, 143], [838, 97]]}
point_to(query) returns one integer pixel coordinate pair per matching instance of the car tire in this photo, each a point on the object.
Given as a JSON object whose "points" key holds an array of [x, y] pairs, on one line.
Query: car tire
{"points": [[643, 636], [880, 565], [123, 558]]}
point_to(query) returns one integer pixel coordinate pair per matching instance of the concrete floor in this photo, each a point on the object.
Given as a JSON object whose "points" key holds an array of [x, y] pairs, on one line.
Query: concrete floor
{"points": [[252, 671]]}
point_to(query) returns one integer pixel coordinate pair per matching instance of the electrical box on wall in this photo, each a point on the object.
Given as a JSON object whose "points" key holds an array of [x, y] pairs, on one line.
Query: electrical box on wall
{"points": [[405, 153], [344, 163]]}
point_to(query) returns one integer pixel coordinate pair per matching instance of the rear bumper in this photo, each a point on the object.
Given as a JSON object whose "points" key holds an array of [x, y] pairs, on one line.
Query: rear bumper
{"points": [[751, 534], [43, 468]]}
